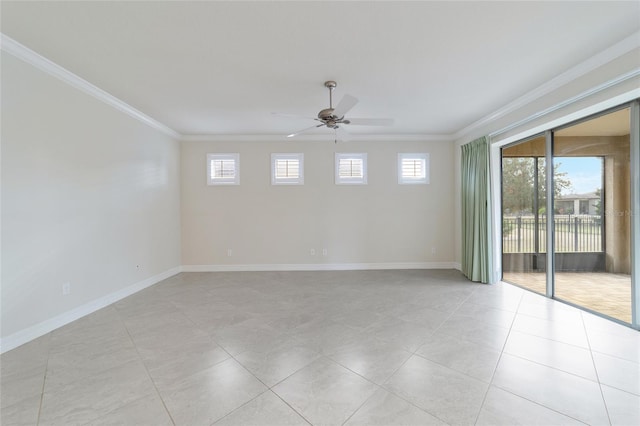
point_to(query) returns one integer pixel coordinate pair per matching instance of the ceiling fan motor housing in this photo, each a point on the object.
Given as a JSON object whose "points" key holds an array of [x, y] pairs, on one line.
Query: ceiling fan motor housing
{"points": [[326, 115], [330, 120]]}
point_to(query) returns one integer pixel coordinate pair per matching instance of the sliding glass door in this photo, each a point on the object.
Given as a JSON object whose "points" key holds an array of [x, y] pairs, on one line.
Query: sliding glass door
{"points": [[523, 214], [590, 193], [592, 238]]}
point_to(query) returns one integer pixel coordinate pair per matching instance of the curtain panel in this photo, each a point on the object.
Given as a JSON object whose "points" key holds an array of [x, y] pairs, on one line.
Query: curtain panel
{"points": [[476, 222]]}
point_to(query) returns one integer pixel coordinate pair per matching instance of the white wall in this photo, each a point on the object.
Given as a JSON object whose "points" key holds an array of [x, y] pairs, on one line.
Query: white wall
{"points": [[90, 196], [379, 223]]}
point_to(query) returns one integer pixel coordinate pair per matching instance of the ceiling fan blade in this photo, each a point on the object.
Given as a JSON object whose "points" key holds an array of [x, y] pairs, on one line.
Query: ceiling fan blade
{"points": [[304, 130], [342, 135], [371, 121], [279, 114], [346, 103]]}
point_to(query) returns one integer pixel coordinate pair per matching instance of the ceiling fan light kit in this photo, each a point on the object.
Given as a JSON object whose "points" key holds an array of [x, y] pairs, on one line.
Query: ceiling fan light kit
{"points": [[334, 118]]}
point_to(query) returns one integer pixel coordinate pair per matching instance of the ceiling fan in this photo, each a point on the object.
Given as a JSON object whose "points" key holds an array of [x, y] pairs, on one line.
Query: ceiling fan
{"points": [[334, 118]]}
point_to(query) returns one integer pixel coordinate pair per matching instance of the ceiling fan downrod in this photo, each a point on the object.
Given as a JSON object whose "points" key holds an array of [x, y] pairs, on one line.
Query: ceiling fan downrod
{"points": [[330, 85], [327, 115]]}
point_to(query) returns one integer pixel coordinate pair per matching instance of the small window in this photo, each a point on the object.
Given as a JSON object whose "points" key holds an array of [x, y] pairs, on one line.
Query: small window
{"points": [[287, 169], [223, 169], [351, 169], [413, 168]]}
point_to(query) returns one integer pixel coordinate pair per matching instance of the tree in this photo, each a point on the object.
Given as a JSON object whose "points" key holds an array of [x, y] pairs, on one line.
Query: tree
{"points": [[598, 204], [519, 175], [560, 180]]}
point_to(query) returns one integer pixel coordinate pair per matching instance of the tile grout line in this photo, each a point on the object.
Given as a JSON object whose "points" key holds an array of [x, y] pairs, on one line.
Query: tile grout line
{"points": [[237, 408], [380, 386], [289, 405], [504, 345], [539, 404], [553, 368], [146, 369], [462, 302], [44, 378], [390, 375], [616, 357], [604, 401], [507, 390], [268, 388], [434, 331], [211, 338], [577, 310], [322, 355], [549, 339], [450, 314], [115, 311], [360, 406]]}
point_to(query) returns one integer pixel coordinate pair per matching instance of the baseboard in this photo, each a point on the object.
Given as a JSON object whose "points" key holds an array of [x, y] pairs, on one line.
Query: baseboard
{"points": [[317, 267], [457, 265], [23, 336]]}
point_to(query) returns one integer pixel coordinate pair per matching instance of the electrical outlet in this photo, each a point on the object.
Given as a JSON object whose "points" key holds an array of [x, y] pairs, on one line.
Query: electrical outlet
{"points": [[433, 250], [312, 252], [229, 252], [66, 289], [324, 252]]}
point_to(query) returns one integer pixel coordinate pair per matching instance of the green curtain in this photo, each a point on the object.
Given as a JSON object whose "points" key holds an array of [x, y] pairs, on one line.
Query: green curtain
{"points": [[476, 222]]}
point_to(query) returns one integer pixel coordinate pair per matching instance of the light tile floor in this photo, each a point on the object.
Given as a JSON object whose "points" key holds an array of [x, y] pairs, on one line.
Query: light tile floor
{"points": [[327, 348]]}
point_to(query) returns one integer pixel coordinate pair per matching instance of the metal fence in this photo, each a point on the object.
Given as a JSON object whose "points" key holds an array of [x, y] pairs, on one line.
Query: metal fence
{"points": [[573, 233]]}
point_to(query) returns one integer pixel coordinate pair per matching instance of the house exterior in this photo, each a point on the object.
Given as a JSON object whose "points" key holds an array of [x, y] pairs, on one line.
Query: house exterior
{"points": [[586, 203]]}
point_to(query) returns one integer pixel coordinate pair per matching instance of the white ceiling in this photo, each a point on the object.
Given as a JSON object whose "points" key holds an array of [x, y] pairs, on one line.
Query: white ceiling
{"points": [[224, 67]]}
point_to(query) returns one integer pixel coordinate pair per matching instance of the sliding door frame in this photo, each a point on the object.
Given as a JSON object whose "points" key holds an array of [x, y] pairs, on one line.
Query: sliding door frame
{"points": [[634, 106], [634, 143], [551, 254]]}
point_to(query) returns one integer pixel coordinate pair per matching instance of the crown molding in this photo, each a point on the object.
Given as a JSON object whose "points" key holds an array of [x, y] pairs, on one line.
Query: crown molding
{"points": [[7, 44], [615, 51], [317, 138], [27, 55]]}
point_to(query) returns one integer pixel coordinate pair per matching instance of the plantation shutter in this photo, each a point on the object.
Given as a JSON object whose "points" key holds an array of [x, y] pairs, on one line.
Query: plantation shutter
{"points": [[351, 168], [413, 168], [223, 168], [287, 168]]}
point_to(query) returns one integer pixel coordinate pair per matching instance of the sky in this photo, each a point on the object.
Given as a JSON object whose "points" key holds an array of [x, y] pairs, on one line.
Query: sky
{"points": [[585, 173]]}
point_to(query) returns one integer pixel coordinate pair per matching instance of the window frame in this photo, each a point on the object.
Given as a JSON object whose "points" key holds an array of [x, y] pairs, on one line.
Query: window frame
{"points": [[287, 180], [408, 180], [339, 180], [235, 180]]}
